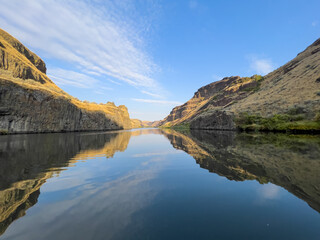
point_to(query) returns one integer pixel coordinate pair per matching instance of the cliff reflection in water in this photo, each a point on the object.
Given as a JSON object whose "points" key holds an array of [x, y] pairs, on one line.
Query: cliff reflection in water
{"points": [[27, 161], [289, 161]]}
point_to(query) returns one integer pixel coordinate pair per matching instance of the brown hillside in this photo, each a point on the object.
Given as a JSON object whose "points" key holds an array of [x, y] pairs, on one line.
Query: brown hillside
{"points": [[31, 102], [292, 91], [295, 84]]}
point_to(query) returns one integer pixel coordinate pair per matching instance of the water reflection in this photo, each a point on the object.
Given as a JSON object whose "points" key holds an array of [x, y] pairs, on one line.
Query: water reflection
{"points": [[289, 161], [27, 161], [127, 190]]}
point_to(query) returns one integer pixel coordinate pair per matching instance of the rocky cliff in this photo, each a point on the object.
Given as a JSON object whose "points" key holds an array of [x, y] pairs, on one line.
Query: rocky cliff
{"points": [[287, 98], [31, 102]]}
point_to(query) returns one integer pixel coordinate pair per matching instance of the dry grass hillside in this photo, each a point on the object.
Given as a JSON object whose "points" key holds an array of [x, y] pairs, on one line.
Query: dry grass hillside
{"points": [[286, 99], [294, 85], [25, 71]]}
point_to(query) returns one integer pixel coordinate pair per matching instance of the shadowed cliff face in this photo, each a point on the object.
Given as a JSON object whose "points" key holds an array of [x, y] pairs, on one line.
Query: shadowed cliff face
{"points": [[27, 161], [292, 162]]}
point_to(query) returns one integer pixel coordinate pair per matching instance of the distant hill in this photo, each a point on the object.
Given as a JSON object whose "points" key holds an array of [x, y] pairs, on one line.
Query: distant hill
{"points": [[285, 99], [136, 123], [31, 102]]}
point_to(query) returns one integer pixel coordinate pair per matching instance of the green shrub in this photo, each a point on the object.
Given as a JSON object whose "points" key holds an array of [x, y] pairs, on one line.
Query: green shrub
{"points": [[257, 77], [296, 110], [278, 122]]}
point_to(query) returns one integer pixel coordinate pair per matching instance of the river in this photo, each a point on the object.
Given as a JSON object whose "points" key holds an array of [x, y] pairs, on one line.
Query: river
{"points": [[159, 184]]}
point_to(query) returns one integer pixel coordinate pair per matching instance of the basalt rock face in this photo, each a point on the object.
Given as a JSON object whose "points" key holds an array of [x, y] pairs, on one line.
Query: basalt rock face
{"points": [[214, 120], [295, 85], [37, 111], [210, 98], [31, 102]]}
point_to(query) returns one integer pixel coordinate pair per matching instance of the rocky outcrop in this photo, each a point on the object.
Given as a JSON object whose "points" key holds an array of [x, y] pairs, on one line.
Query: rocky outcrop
{"points": [[214, 120], [33, 58], [31, 102], [213, 96], [20, 61], [38, 111], [295, 85]]}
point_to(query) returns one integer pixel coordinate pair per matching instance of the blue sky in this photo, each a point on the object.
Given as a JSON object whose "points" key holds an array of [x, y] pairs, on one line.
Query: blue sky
{"points": [[153, 55]]}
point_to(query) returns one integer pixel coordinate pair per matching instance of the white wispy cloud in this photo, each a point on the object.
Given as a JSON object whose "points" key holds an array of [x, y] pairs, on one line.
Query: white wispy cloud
{"points": [[315, 23], [95, 39], [151, 94], [261, 66], [269, 191], [71, 78], [156, 101]]}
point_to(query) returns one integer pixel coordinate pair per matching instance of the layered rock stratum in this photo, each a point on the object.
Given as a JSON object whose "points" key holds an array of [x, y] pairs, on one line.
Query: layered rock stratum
{"points": [[31, 102], [291, 93]]}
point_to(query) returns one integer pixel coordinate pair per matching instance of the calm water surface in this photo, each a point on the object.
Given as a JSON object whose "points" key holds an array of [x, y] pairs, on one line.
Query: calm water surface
{"points": [[155, 184]]}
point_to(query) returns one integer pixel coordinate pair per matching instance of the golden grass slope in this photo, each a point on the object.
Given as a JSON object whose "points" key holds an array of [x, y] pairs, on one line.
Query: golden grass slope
{"points": [[296, 84]]}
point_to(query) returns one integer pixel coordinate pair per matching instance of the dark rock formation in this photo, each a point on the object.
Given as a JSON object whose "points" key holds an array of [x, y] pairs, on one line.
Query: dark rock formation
{"points": [[37, 111], [214, 120]]}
